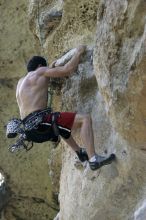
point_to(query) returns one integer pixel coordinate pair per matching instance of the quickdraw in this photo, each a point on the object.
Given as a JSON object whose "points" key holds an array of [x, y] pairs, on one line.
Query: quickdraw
{"points": [[20, 144]]}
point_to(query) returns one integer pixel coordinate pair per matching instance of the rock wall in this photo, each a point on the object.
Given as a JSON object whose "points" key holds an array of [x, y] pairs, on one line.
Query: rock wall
{"points": [[120, 71], [115, 30], [110, 85]]}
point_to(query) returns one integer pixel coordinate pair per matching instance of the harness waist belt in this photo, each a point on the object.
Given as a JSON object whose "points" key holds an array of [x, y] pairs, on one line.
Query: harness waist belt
{"points": [[32, 120]]}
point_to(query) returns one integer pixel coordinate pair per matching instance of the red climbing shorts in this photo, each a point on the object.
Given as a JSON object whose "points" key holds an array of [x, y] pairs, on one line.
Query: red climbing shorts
{"points": [[66, 119], [64, 122]]}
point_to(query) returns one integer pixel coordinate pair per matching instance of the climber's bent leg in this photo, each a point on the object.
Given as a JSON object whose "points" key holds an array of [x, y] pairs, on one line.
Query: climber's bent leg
{"points": [[95, 161], [85, 123], [66, 122]]}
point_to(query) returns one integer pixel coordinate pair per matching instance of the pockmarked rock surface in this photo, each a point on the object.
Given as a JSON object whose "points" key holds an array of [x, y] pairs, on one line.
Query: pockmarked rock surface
{"points": [[61, 25], [118, 113], [110, 85]]}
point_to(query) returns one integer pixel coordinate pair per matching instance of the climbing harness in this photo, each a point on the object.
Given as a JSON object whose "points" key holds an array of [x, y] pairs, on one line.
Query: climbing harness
{"points": [[13, 128], [20, 144], [35, 118], [30, 123]]}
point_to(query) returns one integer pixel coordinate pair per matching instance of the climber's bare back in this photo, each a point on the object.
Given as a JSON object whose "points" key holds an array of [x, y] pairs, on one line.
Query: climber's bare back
{"points": [[32, 90], [32, 93]]}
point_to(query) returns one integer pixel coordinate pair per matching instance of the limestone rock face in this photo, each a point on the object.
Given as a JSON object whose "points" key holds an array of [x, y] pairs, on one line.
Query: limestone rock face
{"points": [[117, 106], [119, 61], [60, 25], [110, 84]]}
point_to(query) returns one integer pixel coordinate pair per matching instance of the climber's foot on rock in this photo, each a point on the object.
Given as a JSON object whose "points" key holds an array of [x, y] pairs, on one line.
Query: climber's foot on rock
{"points": [[100, 161]]}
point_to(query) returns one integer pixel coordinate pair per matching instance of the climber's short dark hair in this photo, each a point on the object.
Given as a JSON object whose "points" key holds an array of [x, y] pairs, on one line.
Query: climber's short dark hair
{"points": [[34, 63]]}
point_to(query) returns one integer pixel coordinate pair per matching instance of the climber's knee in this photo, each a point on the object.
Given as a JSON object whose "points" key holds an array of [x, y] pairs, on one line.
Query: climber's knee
{"points": [[87, 118], [81, 119]]}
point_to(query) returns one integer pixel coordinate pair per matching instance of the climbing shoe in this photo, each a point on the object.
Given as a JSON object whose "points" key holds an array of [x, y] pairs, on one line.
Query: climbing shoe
{"points": [[82, 155], [101, 161]]}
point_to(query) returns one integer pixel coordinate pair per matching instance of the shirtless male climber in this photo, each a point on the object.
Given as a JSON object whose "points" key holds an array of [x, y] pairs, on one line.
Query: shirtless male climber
{"points": [[32, 93]]}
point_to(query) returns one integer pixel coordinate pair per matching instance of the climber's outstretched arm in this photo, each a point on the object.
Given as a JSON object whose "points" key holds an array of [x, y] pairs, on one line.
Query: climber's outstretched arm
{"points": [[68, 68]]}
